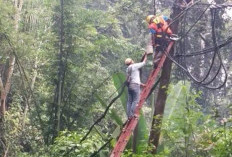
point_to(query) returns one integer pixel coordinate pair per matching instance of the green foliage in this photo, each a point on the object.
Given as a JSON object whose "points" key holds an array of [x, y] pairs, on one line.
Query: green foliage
{"points": [[6, 29], [6, 22], [216, 141], [98, 36], [70, 142], [188, 132], [175, 93], [21, 135], [119, 79], [113, 114], [142, 135]]}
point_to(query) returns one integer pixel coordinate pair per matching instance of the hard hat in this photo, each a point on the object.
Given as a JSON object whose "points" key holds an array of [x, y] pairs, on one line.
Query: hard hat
{"points": [[128, 61], [149, 17], [156, 20]]}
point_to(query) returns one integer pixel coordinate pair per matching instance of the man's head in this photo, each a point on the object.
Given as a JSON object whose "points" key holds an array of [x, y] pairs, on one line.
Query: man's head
{"points": [[129, 61], [150, 18]]}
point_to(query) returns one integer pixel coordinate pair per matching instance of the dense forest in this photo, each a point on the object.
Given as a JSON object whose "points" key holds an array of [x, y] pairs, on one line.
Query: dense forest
{"points": [[62, 77]]}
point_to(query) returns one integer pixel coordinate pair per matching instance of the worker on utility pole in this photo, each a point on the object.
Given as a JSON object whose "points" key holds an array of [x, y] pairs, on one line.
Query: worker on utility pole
{"points": [[161, 33], [133, 84]]}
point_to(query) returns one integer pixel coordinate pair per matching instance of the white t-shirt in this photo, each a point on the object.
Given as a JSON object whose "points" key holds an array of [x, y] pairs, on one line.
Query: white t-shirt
{"points": [[133, 69]]}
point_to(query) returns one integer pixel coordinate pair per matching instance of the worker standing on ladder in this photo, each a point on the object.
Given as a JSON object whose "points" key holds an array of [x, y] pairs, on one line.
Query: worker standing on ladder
{"points": [[161, 33], [133, 83]]}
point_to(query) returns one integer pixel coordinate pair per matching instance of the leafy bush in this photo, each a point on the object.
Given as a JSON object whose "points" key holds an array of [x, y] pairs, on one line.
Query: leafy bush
{"points": [[68, 143]]}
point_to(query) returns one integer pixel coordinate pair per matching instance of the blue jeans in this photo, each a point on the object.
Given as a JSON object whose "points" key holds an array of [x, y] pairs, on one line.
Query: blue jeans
{"points": [[133, 98]]}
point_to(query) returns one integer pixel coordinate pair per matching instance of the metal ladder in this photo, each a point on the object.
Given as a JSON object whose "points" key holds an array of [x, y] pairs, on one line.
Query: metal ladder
{"points": [[131, 124]]}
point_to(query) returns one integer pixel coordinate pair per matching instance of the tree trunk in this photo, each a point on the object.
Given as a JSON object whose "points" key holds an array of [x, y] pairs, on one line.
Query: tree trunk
{"points": [[28, 102], [154, 7], [160, 104], [59, 88], [162, 93], [4, 92], [5, 86]]}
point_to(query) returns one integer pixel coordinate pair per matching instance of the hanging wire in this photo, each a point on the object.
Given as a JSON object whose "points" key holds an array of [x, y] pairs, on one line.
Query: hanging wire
{"points": [[203, 82], [195, 22], [213, 60], [105, 112], [206, 50], [183, 44], [182, 13], [102, 147], [154, 6]]}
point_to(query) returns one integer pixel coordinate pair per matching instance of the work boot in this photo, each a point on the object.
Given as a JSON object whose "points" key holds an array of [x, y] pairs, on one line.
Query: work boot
{"points": [[135, 116], [129, 118], [155, 65]]}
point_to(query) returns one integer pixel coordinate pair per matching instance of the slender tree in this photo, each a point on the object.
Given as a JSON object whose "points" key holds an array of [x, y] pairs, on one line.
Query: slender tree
{"points": [[5, 79], [60, 74]]}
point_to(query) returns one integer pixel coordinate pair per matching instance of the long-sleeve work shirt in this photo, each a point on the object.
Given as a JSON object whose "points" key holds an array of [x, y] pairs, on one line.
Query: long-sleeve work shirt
{"points": [[133, 71]]}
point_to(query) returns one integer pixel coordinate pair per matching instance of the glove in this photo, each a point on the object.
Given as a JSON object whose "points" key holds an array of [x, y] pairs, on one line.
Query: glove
{"points": [[174, 37], [152, 31], [165, 18]]}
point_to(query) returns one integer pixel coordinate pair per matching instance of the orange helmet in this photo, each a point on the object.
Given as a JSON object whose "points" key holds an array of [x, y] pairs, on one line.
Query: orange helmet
{"points": [[149, 17]]}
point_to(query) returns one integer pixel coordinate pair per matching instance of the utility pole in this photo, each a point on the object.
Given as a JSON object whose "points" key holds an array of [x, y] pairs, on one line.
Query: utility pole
{"points": [[162, 92]]}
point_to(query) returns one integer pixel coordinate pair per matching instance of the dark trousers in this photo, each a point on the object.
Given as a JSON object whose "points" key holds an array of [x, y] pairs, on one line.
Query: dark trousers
{"points": [[133, 98], [160, 46]]}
